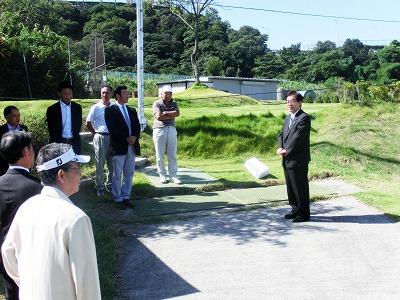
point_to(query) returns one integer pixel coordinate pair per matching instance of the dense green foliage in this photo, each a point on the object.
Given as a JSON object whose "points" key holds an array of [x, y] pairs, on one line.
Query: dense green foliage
{"points": [[40, 30]]}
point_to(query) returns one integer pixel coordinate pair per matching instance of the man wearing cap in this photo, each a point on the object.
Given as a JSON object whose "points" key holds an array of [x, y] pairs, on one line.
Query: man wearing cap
{"points": [[123, 123], [16, 186], [12, 116], [49, 250], [64, 118], [96, 124], [165, 110]]}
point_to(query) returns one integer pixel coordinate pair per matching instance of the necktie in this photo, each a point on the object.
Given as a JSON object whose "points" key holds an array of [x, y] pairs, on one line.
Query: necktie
{"points": [[126, 117], [291, 121]]}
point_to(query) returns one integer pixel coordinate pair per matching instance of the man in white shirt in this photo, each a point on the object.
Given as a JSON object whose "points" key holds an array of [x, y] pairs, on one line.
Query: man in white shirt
{"points": [[49, 250], [96, 124], [64, 118]]}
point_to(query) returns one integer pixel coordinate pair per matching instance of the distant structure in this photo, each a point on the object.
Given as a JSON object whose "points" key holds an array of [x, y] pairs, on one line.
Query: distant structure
{"points": [[257, 88], [97, 74]]}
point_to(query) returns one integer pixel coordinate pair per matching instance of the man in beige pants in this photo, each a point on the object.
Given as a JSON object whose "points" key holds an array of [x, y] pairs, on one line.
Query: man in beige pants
{"points": [[165, 110]]}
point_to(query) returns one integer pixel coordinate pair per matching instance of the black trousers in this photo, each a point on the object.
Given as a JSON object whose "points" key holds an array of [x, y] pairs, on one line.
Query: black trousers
{"points": [[298, 190]]}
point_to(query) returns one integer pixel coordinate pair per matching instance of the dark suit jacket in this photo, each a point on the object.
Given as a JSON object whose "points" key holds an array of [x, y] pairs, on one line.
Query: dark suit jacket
{"points": [[119, 130], [16, 186], [3, 163], [296, 140], [54, 123]]}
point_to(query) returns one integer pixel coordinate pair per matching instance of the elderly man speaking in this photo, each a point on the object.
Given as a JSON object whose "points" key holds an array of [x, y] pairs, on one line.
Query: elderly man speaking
{"points": [[49, 250]]}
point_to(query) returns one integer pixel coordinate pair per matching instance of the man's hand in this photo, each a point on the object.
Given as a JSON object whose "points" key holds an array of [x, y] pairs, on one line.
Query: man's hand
{"points": [[131, 140], [282, 152]]}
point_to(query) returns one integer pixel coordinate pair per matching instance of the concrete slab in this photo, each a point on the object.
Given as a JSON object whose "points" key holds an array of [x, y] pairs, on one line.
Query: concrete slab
{"points": [[337, 186], [347, 251], [184, 203], [189, 177], [176, 204]]}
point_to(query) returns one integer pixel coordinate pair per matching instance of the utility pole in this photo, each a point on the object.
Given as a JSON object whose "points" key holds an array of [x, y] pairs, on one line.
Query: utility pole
{"points": [[27, 75], [139, 65]]}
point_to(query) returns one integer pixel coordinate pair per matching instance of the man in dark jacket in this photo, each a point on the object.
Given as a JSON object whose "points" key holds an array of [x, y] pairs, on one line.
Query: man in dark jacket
{"points": [[124, 127], [64, 119], [16, 186], [12, 116], [294, 148]]}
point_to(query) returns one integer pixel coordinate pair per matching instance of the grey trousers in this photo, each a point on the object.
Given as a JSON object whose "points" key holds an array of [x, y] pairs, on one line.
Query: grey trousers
{"points": [[165, 140], [101, 145], [124, 167]]}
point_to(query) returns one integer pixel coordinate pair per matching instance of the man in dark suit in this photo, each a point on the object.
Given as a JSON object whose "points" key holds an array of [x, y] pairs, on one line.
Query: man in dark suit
{"points": [[294, 148], [64, 119], [124, 127], [16, 186], [12, 116]]}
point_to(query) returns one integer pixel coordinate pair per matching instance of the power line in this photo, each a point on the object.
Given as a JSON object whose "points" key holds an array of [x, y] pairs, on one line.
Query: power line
{"points": [[306, 14]]}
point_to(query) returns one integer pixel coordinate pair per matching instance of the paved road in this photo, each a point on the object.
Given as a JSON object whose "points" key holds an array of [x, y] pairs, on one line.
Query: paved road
{"points": [[347, 251]]}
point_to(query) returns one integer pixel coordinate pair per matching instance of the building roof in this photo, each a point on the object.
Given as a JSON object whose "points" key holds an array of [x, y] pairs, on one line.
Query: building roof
{"points": [[211, 78]]}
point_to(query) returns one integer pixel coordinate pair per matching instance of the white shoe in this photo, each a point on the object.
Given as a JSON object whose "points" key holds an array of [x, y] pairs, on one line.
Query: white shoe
{"points": [[163, 179], [176, 180]]}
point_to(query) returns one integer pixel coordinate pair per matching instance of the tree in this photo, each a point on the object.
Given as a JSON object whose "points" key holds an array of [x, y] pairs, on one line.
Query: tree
{"points": [[269, 66], [245, 45], [213, 66], [322, 47], [194, 10]]}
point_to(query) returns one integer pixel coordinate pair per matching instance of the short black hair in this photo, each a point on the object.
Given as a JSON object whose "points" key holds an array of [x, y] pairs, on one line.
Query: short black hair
{"points": [[106, 86], [118, 90], [13, 143], [299, 97], [8, 109], [64, 85], [47, 153]]}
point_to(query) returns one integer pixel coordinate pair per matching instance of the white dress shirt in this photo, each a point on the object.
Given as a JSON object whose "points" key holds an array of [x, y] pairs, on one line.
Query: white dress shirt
{"points": [[96, 117], [49, 250], [66, 120]]}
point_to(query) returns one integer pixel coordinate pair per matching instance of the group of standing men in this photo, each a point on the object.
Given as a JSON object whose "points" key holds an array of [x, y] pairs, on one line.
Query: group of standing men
{"points": [[48, 249]]}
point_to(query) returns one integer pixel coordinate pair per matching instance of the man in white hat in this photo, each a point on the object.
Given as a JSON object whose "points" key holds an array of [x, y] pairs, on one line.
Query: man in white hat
{"points": [[49, 250], [165, 110]]}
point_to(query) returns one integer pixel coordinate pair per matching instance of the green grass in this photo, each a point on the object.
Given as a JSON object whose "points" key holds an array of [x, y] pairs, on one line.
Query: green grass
{"points": [[356, 143]]}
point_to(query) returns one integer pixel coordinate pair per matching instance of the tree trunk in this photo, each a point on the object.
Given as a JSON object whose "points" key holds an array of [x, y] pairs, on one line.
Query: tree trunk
{"points": [[193, 57]]}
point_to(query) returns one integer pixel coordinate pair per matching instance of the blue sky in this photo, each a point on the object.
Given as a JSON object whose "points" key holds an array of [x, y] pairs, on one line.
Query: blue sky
{"points": [[284, 30]]}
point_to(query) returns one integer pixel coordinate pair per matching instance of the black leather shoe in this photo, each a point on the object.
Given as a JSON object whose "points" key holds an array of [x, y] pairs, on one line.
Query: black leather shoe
{"points": [[120, 205], [299, 219], [291, 215], [127, 203]]}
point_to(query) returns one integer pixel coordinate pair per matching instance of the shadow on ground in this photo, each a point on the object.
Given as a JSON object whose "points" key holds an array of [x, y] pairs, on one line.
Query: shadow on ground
{"points": [[163, 283]]}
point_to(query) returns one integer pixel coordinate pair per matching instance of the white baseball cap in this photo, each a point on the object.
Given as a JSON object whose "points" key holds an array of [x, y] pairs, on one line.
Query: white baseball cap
{"points": [[68, 156], [166, 89]]}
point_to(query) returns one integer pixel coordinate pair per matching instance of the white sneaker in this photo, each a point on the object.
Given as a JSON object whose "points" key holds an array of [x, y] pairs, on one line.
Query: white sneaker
{"points": [[163, 179], [176, 180]]}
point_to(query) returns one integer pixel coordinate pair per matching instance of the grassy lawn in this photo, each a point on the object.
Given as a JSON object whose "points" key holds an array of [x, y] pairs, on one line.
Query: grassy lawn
{"points": [[218, 133]]}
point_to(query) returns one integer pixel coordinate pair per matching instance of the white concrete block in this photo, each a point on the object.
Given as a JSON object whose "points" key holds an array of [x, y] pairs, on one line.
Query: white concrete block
{"points": [[256, 168]]}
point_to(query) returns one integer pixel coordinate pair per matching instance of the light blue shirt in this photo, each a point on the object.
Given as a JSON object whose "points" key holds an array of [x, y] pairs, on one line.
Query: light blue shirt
{"points": [[66, 120]]}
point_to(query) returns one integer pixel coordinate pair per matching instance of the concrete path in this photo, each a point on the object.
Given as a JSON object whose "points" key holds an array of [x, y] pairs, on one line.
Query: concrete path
{"points": [[189, 177], [347, 251], [234, 198]]}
